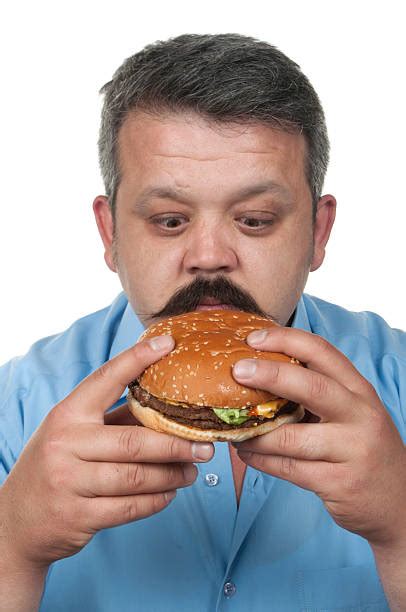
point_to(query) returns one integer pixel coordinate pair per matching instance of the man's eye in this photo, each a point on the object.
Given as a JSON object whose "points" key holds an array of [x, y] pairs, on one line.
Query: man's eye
{"points": [[168, 222], [254, 222]]}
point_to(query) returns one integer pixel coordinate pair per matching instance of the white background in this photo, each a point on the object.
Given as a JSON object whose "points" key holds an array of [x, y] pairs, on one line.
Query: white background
{"points": [[55, 57]]}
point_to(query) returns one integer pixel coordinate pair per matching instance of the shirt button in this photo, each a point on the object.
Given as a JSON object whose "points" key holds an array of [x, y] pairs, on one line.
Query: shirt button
{"points": [[211, 480], [229, 589]]}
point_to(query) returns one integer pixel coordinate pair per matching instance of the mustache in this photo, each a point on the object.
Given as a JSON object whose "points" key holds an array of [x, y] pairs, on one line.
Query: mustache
{"points": [[187, 299]]}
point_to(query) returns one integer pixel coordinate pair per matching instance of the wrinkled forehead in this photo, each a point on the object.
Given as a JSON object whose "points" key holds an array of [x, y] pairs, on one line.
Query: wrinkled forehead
{"points": [[189, 146]]}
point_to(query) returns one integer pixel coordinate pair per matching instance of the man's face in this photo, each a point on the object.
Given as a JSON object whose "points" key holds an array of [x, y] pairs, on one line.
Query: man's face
{"points": [[224, 212]]}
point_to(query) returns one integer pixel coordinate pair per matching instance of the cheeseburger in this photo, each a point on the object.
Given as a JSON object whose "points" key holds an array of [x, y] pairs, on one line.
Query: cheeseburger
{"points": [[191, 391]]}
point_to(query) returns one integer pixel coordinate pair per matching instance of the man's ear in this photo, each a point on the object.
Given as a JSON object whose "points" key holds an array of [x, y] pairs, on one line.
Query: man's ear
{"points": [[326, 213], [104, 220]]}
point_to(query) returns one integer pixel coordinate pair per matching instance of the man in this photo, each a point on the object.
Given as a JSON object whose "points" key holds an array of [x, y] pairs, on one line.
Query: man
{"points": [[213, 150]]}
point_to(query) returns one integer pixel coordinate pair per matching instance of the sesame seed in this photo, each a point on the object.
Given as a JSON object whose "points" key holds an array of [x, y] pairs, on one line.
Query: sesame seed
{"points": [[244, 391], [201, 394]]}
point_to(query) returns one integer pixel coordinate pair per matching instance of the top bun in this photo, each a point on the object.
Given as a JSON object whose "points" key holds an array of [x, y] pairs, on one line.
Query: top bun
{"points": [[199, 369]]}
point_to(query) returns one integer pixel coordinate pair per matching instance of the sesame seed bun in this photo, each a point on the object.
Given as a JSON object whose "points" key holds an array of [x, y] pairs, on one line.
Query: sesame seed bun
{"points": [[198, 373]]}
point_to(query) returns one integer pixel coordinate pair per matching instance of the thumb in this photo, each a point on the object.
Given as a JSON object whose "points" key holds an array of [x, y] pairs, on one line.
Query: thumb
{"points": [[101, 389]]}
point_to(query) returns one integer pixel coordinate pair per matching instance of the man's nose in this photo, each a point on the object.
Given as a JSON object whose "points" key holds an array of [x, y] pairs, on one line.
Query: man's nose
{"points": [[210, 249]]}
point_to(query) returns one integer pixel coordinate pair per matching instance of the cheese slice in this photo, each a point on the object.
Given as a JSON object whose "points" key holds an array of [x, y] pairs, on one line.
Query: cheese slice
{"points": [[268, 409]]}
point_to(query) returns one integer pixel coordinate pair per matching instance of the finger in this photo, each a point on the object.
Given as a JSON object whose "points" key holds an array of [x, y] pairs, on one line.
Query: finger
{"points": [[112, 511], [101, 389], [111, 479], [122, 443], [311, 475], [322, 442], [323, 396], [318, 354]]}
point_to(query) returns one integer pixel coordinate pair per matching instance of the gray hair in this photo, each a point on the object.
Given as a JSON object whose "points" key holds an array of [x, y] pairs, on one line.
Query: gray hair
{"points": [[225, 78]]}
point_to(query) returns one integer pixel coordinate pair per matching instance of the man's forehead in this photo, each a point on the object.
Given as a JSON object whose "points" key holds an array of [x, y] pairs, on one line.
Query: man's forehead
{"points": [[190, 135], [242, 161]]}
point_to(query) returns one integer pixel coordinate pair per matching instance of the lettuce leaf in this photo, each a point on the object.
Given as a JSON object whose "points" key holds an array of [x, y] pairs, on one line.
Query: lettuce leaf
{"points": [[232, 416]]}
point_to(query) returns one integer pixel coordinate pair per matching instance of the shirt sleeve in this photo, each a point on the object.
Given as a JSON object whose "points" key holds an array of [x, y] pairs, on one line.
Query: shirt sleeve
{"points": [[11, 416]]}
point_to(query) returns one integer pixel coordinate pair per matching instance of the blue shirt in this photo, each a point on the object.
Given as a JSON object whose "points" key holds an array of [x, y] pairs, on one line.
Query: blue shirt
{"points": [[280, 551]]}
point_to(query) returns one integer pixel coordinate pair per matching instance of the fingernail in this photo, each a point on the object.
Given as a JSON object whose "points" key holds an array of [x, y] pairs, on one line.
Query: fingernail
{"points": [[160, 343], [245, 368], [170, 495], [257, 337], [202, 451]]}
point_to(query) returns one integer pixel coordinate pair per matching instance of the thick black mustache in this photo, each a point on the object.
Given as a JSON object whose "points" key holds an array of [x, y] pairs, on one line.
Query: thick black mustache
{"points": [[188, 298]]}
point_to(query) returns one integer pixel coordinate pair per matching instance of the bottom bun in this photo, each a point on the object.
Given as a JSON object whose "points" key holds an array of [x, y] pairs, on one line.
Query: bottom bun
{"points": [[159, 422]]}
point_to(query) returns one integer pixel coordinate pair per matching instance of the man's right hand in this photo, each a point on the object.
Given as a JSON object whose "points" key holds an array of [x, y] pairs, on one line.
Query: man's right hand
{"points": [[77, 475]]}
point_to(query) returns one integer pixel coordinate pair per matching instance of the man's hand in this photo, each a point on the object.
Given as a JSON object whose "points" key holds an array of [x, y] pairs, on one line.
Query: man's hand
{"points": [[78, 475], [353, 458]]}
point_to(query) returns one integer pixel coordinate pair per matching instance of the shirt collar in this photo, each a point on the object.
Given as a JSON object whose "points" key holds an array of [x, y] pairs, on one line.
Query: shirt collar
{"points": [[301, 318], [130, 327], [129, 330]]}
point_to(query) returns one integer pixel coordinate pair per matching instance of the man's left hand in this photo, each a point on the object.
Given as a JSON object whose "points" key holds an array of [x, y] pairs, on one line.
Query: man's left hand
{"points": [[353, 458]]}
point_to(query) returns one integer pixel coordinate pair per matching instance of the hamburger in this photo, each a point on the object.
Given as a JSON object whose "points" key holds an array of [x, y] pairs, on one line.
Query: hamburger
{"points": [[191, 391]]}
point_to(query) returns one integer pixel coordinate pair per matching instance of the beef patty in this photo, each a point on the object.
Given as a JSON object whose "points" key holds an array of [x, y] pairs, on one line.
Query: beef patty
{"points": [[197, 416]]}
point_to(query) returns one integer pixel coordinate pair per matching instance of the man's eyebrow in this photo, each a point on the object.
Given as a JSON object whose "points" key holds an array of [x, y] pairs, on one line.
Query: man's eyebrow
{"points": [[258, 189], [171, 193]]}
